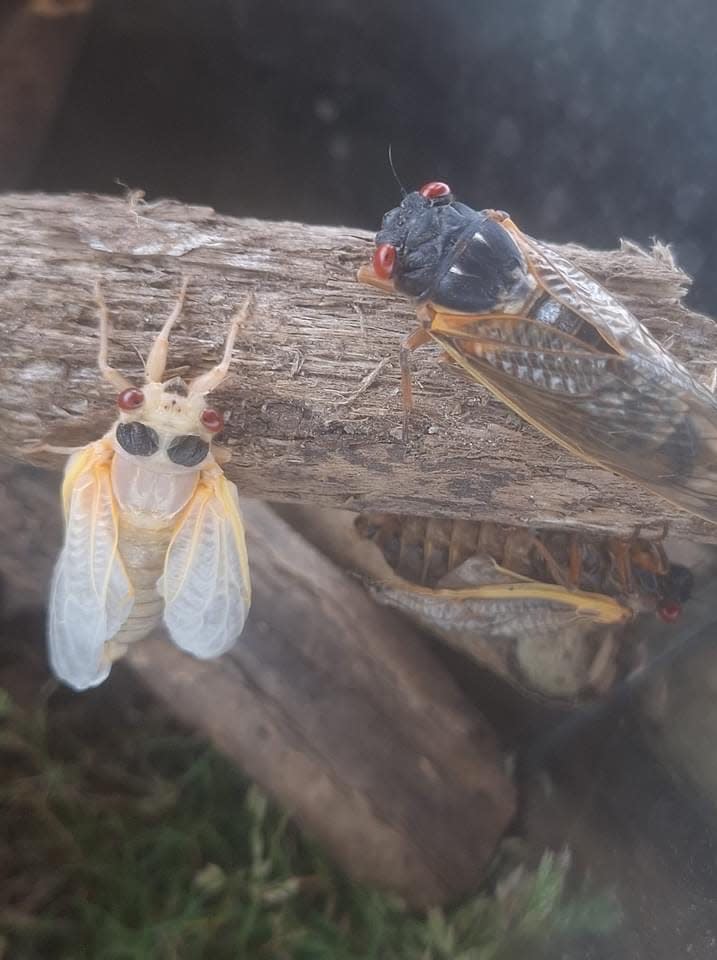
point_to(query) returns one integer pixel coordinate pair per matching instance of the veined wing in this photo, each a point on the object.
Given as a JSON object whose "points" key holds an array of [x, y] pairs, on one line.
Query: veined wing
{"points": [[568, 284], [624, 412], [482, 597], [206, 584], [91, 595]]}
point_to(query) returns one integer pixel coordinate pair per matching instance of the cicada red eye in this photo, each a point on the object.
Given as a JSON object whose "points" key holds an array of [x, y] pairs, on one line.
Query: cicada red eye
{"points": [[130, 399], [434, 190], [384, 260], [212, 420], [670, 612]]}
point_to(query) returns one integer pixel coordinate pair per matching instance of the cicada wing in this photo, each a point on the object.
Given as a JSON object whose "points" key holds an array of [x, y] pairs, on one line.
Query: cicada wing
{"points": [[91, 595], [568, 284], [205, 584], [627, 413], [481, 597]]}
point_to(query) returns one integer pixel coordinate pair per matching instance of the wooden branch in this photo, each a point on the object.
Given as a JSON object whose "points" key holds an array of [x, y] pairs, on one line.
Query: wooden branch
{"points": [[315, 414], [335, 706]]}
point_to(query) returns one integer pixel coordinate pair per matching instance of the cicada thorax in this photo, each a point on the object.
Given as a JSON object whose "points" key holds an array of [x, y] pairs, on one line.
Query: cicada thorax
{"points": [[520, 329], [425, 550]]}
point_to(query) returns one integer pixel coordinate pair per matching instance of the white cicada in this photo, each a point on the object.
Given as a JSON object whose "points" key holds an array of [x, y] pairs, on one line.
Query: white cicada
{"points": [[153, 530]]}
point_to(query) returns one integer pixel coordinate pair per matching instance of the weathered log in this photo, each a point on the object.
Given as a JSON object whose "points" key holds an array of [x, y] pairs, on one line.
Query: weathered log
{"points": [[333, 705], [315, 414]]}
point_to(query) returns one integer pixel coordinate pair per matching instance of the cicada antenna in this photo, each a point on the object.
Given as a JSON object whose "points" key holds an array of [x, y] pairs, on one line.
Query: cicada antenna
{"points": [[401, 187]]}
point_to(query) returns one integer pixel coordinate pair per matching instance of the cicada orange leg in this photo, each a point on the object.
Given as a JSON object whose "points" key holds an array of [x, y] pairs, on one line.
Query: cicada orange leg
{"points": [[418, 338]]}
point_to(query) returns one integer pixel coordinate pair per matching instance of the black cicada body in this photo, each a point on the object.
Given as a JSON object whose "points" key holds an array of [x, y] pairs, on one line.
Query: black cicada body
{"points": [[551, 343]]}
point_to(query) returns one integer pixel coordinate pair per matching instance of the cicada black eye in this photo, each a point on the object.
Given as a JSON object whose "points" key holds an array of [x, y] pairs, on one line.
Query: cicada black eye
{"points": [[435, 190], [384, 260], [137, 439], [130, 399], [187, 451]]}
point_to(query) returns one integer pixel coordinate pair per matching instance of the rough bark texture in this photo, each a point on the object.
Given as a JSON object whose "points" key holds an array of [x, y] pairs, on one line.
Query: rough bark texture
{"points": [[307, 421], [335, 706]]}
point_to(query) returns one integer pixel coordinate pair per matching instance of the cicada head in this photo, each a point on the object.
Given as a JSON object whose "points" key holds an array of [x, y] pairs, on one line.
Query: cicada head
{"points": [[437, 250], [166, 418], [168, 422], [674, 590], [664, 590]]}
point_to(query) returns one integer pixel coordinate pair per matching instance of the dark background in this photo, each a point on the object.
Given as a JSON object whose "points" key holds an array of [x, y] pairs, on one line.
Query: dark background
{"points": [[588, 120]]}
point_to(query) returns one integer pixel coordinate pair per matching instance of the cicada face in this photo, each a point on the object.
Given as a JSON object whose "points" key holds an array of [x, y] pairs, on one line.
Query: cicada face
{"points": [[552, 344], [436, 249]]}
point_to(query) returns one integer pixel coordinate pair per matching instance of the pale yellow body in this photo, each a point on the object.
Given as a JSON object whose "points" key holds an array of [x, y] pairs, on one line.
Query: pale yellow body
{"points": [[143, 549], [153, 529]]}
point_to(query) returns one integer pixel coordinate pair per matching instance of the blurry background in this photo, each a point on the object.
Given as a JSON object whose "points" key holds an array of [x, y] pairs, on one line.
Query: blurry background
{"points": [[587, 120]]}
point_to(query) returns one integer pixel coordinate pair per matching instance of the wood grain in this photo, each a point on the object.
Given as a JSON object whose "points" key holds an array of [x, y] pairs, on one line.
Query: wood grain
{"points": [[307, 422]]}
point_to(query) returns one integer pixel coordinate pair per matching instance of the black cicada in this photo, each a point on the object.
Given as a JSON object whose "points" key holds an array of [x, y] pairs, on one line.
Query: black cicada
{"points": [[551, 343], [544, 609]]}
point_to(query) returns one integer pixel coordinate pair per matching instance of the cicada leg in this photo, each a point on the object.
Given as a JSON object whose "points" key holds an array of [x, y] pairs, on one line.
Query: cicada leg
{"points": [[408, 345], [554, 568], [37, 446], [621, 552], [221, 454], [603, 670], [576, 561]]}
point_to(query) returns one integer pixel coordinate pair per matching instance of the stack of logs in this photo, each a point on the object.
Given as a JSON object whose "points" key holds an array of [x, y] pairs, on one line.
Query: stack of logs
{"points": [[342, 710]]}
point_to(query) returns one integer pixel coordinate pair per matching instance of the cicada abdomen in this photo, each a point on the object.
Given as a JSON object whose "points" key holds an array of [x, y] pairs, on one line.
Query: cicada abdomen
{"points": [[551, 343], [546, 610]]}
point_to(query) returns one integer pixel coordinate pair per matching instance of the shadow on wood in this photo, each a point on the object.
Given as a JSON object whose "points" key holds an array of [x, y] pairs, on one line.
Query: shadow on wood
{"points": [[332, 704]]}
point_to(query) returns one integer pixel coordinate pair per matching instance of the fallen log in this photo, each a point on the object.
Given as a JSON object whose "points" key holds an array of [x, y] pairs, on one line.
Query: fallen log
{"points": [[313, 397], [336, 707]]}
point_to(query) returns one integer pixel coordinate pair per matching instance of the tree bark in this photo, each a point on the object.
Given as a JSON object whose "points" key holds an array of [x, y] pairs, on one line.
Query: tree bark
{"points": [[335, 706], [313, 397]]}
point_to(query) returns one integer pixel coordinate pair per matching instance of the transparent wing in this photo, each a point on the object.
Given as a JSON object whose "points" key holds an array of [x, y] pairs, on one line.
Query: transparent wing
{"points": [[546, 639], [91, 595], [574, 288], [637, 411], [205, 584], [623, 412], [483, 597]]}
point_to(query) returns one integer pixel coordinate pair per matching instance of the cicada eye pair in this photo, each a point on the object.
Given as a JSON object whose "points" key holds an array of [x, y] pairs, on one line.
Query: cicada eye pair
{"points": [[132, 399]]}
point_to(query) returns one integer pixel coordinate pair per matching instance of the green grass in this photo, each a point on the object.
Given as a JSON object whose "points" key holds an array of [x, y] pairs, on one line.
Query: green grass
{"points": [[124, 838]]}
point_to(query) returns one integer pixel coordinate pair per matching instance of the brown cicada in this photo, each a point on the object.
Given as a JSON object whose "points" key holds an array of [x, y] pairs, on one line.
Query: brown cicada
{"points": [[544, 609], [549, 342]]}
